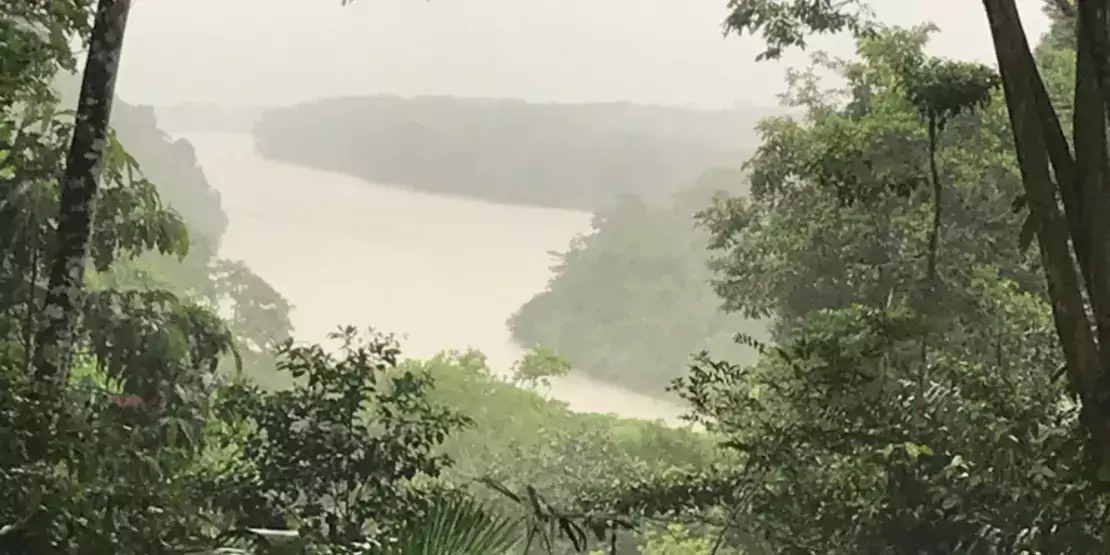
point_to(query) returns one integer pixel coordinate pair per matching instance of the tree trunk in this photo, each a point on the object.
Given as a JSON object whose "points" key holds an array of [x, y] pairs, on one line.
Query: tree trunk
{"points": [[78, 192], [1091, 167], [1086, 198]]}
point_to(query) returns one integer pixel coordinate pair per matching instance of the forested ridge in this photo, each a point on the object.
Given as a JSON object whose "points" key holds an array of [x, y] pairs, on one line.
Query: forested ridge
{"points": [[509, 151], [631, 300], [921, 244]]}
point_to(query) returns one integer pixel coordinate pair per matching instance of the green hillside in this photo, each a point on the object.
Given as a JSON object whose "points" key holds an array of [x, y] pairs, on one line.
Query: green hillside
{"points": [[631, 301]]}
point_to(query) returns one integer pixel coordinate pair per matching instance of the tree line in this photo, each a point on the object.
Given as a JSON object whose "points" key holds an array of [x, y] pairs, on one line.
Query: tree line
{"points": [[508, 151]]}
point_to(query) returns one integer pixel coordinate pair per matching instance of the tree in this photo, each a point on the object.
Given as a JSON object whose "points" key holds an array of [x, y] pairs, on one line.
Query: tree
{"points": [[339, 457], [1074, 242], [835, 213], [537, 367], [849, 440], [32, 52], [78, 192]]}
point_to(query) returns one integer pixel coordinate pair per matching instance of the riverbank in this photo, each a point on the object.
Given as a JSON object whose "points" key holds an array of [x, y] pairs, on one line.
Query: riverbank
{"points": [[441, 272]]}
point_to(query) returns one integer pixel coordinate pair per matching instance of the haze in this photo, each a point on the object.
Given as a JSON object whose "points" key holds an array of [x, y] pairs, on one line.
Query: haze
{"points": [[267, 52], [335, 212], [602, 281]]}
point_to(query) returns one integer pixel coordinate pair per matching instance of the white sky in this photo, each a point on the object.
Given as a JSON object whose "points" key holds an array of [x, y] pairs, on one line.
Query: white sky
{"points": [[645, 51]]}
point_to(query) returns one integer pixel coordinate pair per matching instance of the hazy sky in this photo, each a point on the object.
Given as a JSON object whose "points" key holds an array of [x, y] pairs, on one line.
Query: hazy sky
{"points": [[647, 51]]}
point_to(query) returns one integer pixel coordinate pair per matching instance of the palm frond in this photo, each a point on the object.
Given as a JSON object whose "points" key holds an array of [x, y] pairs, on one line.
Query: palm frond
{"points": [[460, 526]]}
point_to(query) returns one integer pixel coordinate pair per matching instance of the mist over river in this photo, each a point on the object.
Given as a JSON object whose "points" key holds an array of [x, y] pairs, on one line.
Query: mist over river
{"points": [[441, 272]]}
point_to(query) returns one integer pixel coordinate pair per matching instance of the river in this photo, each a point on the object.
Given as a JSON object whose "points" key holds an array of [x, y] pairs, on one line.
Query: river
{"points": [[441, 272]]}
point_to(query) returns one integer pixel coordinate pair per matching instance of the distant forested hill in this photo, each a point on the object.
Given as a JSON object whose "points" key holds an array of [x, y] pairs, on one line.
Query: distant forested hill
{"points": [[258, 314], [172, 165], [630, 301], [565, 156]]}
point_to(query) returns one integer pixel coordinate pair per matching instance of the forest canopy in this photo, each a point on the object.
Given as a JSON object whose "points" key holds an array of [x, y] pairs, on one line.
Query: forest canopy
{"points": [[509, 151]]}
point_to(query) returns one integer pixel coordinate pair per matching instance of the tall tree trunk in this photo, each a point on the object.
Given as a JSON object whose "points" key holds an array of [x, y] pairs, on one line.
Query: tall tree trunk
{"points": [[1082, 184], [1091, 166], [78, 192]]}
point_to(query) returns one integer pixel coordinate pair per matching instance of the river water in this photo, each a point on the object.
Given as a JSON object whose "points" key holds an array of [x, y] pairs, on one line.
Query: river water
{"points": [[441, 272]]}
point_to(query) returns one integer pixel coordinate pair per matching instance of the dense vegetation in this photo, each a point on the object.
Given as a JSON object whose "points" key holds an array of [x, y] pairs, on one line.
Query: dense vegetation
{"points": [[920, 394], [933, 381], [564, 156], [631, 300]]}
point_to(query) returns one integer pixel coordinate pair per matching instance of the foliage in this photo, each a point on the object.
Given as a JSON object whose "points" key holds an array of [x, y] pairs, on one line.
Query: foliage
{"points": [[840, 212], [36, 44], [537, 366], [1063, 174], [844, 463], [560, 454], [131, 437], [333, 457], [130, 218], [59, 505], [460, 527], [455, 526], [629, 301], [876, 422], [677, 539], [257, 314], [135, 459], [123, 442], [564, 156], [544, 443], [786, 24]]}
